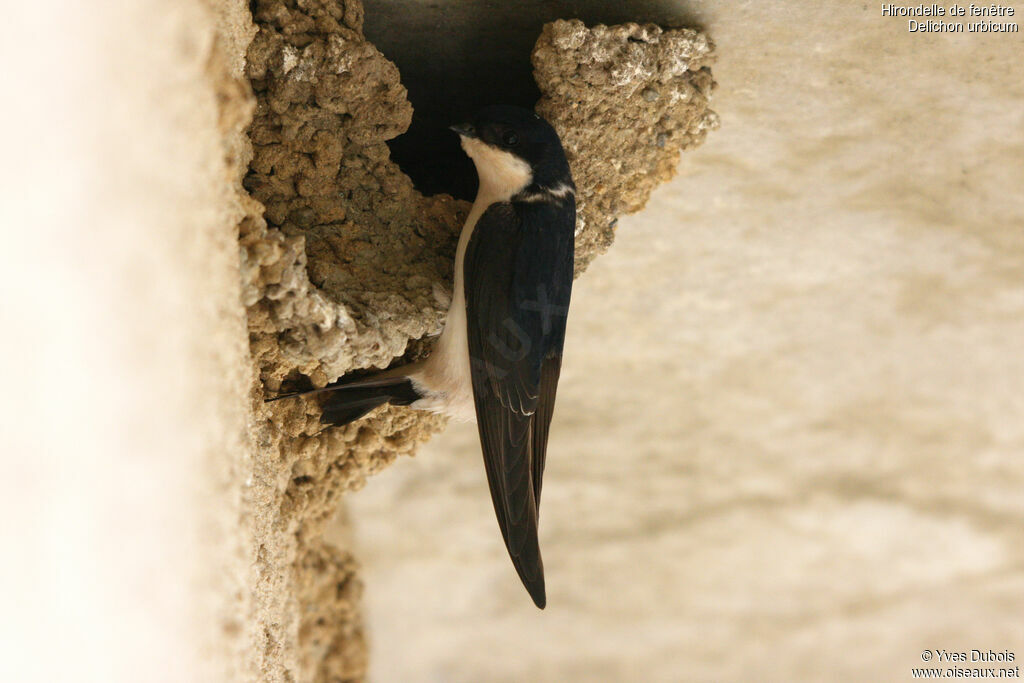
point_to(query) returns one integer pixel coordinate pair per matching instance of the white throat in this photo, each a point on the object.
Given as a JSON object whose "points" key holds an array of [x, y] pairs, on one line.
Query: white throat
{"points": [[501, 173]]}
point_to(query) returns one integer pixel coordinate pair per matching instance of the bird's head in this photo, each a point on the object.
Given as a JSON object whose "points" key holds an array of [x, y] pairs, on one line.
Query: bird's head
{"points": [[514, 148]]}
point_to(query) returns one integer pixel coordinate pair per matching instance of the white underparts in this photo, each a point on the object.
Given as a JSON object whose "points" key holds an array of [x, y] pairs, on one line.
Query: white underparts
{"points": [[445, 376]]}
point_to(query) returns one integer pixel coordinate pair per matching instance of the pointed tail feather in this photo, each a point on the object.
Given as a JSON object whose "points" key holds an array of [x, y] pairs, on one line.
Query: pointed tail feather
{"points": [[340, 412], [530, 568], [350, 400]]}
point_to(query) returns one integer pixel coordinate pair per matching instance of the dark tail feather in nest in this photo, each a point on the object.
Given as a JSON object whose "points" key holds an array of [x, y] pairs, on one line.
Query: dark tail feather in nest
{"points": [[349, 401]]}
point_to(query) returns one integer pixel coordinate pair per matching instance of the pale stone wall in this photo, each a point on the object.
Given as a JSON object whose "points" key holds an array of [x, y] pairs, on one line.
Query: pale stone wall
{"points": [[125, 361]]}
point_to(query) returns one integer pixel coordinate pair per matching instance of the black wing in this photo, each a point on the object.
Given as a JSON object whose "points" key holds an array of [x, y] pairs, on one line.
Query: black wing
{"points": [[518, 272]]}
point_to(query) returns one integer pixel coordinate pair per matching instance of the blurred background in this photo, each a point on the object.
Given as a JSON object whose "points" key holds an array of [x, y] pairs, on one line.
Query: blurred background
{"points": [[789, 442]]}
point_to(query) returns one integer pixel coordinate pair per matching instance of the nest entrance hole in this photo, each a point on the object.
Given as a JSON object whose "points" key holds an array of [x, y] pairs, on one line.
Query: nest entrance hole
{"points": [[456, 57]]}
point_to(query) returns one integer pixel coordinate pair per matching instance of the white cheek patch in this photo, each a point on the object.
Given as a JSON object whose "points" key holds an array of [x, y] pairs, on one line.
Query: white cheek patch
{"points": [[502, 174]]}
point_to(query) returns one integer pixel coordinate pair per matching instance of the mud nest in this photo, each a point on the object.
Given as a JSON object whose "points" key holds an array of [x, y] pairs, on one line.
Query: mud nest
{"points": [[348, 267]]}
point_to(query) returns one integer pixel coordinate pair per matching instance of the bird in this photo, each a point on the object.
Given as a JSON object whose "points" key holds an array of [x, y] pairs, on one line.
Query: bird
{"points": [[498, 359]]}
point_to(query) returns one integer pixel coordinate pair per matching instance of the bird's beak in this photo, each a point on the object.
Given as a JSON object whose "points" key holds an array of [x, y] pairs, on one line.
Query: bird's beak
{"points": [[466, 130]]}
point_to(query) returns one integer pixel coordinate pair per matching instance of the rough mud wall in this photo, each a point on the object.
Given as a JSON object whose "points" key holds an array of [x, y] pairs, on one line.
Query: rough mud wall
{"points": [[337, 275], [626, 100], [349, 266]]}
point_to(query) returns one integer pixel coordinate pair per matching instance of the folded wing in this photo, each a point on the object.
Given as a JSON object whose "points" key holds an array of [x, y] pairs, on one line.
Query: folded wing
{"points": [[518, 275]]}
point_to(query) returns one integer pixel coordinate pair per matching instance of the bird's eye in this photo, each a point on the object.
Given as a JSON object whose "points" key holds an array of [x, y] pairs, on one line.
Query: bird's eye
{"points": [[510, 138]]}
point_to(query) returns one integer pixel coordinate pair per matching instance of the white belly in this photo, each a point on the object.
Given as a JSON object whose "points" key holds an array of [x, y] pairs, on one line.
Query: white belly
{"points": [[445, 375]]}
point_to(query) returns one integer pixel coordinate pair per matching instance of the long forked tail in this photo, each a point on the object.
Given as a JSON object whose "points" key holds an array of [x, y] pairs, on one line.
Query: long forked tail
{"points": [[348, 401]]}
